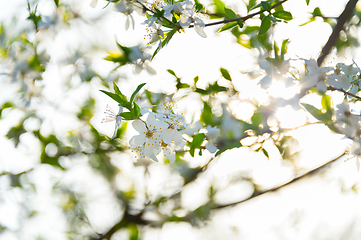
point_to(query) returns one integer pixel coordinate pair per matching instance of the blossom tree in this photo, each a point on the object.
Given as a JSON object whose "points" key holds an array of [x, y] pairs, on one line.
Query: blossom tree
{"points": [[67, 174]]}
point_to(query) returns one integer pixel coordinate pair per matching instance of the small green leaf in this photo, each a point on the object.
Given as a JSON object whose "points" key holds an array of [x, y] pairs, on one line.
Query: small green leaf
{"points": [[172, 72], [196, 80], [136, 91], [118, 92], [317, 113], [182, 85], [317, 12], [230, 13], [136, 111], [56, 3], [287, 16], [226, 74], [284, 48], [117, 98], [257, 119], [265, 152], [197, 140], [326, 102], [307, 2], [266, 6], [229, 146], [227, 26], [265, 25], [127, 115]]}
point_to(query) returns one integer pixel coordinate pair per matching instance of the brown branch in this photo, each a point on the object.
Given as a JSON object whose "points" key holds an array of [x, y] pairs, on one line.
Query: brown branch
{"points": [[242, 18], [343, 91], [259, 193], [345, 15]]}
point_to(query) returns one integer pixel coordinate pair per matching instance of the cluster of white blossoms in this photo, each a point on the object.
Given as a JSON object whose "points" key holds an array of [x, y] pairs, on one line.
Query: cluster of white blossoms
{"points": [[161, 132], [184, 9]]}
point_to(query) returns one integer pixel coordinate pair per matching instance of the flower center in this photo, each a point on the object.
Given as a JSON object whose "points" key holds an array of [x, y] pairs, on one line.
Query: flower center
{"points": [[149, 134]]}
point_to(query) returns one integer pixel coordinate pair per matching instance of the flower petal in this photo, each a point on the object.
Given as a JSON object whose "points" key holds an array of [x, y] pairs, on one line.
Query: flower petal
{"points": [[139, 126], [137, 140], [168, 136], [169, 153], [211, 147], [199, 27]]}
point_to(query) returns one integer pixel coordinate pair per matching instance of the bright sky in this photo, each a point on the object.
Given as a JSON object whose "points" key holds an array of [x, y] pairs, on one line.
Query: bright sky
{"points": [[314, 208]]}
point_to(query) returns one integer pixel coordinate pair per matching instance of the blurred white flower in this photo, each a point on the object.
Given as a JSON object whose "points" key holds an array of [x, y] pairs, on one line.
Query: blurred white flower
{"points": [[211, 135], [190, 16]]}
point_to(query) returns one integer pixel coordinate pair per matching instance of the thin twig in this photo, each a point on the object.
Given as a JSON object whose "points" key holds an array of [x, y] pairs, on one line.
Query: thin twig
{"points": [[343, 91], [242, 18], [259, 193], [345, 15]]}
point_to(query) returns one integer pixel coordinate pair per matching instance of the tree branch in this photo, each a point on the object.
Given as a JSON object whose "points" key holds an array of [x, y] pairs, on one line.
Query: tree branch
{"points": [[259, 193], [343, 91], [242, 18], [246, 17], [345, 15]]}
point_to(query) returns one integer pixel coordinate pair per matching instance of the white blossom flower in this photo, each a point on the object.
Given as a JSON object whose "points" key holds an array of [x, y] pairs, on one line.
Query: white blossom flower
{"points": [[112, 116], [190, 16], [175, 123], [346, 122], [211, 135], [168, 151], [149, 136], [315, 77], [176, 8], [156, 34]]}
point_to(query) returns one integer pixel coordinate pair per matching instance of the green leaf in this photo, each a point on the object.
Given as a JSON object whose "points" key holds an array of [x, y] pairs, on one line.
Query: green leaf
{"points": [[225, 74], [127, 115], [117, 57], [182, 85], [56, 3], [136, 111], [266, 6], [287, 16], [284, 48], [195, 80], [197, 140], [229, 146], [206, 115], [136, 91], [317, 113], [198, 6], [126, 50], [45, 159], [265, 152], [227, 26], [230, 13], [265, 25], [326, 102], [307, 2], [117, 98], [121, 95], [196, 143], [219, 6], [172, 72], [201, 91], [257, 119], [15, 132], [317, 12]]}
